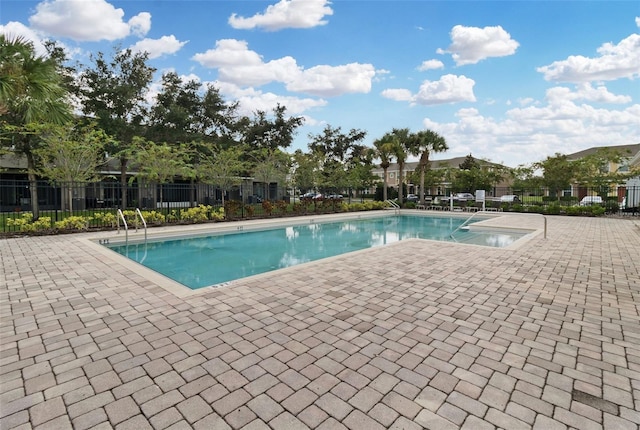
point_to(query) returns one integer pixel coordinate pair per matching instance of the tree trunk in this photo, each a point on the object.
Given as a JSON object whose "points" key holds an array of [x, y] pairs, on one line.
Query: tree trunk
{"points": [[400, 182], [422, 185], [192, 192], [384, 184], [424, 161], [70, 199], [33, 186], [123, 182]]}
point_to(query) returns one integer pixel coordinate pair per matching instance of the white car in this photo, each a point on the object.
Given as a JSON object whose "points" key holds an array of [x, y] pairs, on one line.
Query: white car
{"points": [[510, 198], [591, 200]]}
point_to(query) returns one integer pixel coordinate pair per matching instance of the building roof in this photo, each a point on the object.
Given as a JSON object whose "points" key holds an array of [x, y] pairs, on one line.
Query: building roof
{"points": [[630, 150], [436, 164]]}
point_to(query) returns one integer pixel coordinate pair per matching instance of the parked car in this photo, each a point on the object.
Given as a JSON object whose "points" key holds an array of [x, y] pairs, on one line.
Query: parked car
{"points": [[460, 197], [464, 196], [412, 198], [510, 198], [311, 195], [335, 197], [591, 200]]}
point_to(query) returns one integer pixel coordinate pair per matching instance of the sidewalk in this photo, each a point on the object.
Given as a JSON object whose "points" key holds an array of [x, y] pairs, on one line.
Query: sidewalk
{"points": [[418, 334]]}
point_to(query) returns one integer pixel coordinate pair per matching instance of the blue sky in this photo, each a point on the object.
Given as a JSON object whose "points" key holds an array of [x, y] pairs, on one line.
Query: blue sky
{"points": [[508, 81]]}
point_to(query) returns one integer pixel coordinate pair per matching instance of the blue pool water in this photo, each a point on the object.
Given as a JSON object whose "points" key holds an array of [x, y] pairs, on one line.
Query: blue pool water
{"points": [[200, 261]]}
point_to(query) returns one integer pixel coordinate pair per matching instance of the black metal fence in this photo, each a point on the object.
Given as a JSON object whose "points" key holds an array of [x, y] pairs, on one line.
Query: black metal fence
{"points": [[611, 199], [60, 201]]}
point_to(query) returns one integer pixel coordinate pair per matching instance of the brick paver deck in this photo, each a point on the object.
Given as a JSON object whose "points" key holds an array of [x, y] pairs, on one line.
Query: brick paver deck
{"points": [[414, 335]]}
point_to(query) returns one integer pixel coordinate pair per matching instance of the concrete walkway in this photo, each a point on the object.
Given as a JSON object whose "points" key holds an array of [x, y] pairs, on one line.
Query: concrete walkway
{"points": [[414, 335]]}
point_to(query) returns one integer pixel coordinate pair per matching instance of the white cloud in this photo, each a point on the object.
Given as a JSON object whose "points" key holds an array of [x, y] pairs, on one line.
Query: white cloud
{"points": [[251, 100], [615, 62], [140, 24], [241, 66], [431, 65], [87, 20], [530, 134], [228, 53], [525, 101], [398, 94], [329, 81], [638, 21], [14, 29], [448, 89], [470, 45], [585, 92], [158, 47], [286, 14]]}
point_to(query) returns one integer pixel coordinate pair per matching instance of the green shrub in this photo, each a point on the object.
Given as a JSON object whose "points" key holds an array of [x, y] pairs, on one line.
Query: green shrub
{"points": [[217, 214], [73, 223], [249, 210], [553, 208], [573, 210], [267, 207], [282, 206], [26, 224], [153, 217], [198, 214], [231, 209], [105, 219]]}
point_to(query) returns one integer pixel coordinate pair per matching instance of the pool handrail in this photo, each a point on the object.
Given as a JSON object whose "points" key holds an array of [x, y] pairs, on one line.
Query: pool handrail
{"points": [[138, 213], [126, 226], [395, 206]]}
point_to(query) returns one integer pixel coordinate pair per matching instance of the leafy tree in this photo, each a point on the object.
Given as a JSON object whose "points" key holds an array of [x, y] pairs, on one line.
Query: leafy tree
{"points": [[469, 163], [334, 149], [31, 96], [594, 171], [401, 151], [558, 172], [359, 176], [424, 143], [525, 178], [71, 155], [114, 92], [159, 163], [183, 113], [174, 117], [222, 168], [384, 152], [273, 168], [262, 132], [306, 167]]}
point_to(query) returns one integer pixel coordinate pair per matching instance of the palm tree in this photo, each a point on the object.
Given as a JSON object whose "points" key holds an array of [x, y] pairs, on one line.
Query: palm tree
{"points": [[423, 143], [32, 95], [401, 150], [384, 151]]}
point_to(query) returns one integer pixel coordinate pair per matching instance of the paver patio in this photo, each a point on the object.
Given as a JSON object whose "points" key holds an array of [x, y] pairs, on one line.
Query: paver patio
{"points": [[419, 334]]}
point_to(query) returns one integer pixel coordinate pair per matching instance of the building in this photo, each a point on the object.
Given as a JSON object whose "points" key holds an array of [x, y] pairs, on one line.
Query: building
{"points": [[393, 174], [630, 163]]}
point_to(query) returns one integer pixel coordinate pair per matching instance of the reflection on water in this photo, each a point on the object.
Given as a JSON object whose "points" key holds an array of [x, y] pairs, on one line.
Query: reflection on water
{"points": [[202, 261]]}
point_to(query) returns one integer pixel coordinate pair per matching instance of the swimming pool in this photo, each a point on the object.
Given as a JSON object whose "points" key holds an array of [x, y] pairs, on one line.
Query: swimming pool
{"points": [[212, 259]]}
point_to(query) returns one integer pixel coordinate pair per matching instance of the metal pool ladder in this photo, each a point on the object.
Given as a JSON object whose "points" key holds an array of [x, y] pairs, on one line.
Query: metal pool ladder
{"points": [[126, 226], [396, 207]]}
